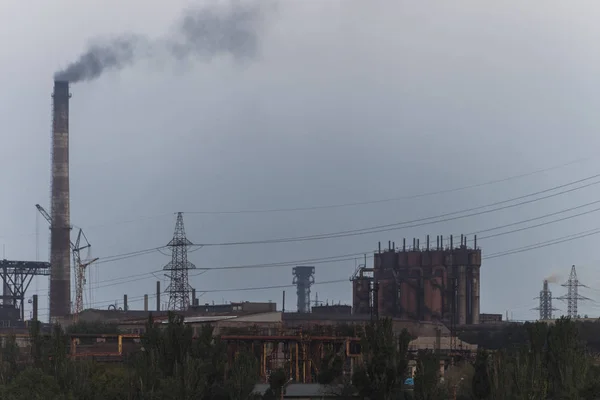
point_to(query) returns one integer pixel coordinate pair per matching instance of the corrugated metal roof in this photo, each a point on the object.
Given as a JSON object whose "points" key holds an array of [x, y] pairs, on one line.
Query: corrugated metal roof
{"points": [[191, 320]]}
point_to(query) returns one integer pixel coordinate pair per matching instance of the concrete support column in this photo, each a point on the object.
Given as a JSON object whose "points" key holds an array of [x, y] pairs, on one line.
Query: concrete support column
{"points": [[462, 295], [475, 296]]}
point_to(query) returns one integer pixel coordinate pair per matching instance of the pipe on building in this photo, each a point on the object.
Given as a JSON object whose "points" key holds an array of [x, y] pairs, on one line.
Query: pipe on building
{"points": [[475, 288], [35, 307], [145, 302], [462, 295], [157, 295], [125, 305]]}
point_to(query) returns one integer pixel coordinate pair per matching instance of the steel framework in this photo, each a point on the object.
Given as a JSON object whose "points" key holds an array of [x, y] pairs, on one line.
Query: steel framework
{"points": [[573, 297], [17, 276], [79, 265], [545, 308], [303, 279], [179, 289]]}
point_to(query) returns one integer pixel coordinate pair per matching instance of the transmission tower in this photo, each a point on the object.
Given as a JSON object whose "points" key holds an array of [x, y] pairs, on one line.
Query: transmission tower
{"points": [[545, 308], [303, 279], [179, 289], [572, 297]]}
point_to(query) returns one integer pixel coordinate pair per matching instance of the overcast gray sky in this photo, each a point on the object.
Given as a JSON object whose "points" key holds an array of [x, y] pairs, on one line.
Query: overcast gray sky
{"points": [[344, 101]]}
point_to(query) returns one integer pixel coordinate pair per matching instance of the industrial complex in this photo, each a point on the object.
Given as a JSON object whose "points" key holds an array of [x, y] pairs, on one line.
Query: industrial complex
{"points": [[430, 289]]}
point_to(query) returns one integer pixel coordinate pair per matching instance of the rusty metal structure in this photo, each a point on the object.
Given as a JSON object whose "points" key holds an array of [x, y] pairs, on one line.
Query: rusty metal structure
{"points": [[16, 278], [427, 283], [60, 229], [298, 354]]}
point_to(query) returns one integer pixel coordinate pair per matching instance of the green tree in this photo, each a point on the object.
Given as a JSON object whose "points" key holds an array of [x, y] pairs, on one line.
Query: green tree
{"points": [[8, 358], [385, 361], [331, 368], [277, 381], [566, 360], [427, 376], [481, 379], [242, 376], [33, 384]]}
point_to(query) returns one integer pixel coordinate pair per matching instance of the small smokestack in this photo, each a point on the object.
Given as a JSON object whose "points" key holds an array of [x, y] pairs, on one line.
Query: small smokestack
{"points": [[145, 302], [35, 307], [157, 295], [60, 228], [193, 297], [283, 302], [125, 305]]}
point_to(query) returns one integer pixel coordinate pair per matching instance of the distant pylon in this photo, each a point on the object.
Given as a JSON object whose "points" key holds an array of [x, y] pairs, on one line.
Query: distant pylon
{"points": [[572, 297], [545, 308], [179, 289]]}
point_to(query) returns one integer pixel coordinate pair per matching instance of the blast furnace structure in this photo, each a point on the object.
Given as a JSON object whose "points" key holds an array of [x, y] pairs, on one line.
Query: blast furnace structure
{"points": [[426, 284], [60, 229]]}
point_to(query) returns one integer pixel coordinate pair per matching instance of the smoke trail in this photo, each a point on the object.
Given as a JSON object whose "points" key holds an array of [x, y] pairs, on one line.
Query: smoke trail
{"points": [[205, 33], [554, 278]]}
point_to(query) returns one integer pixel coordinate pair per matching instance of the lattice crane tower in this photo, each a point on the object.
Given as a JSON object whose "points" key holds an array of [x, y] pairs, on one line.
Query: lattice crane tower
{"points": [[179, 289]]}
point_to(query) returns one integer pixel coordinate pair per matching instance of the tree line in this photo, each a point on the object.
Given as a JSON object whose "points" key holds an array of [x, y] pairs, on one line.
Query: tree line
{"points": [[552, 361]]}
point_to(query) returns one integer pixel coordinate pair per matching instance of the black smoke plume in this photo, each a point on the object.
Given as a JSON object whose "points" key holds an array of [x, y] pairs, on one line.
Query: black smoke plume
{"points": [[203, 33]]}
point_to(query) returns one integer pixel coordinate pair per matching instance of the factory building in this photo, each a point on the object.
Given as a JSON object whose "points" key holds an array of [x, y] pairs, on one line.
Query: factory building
{"points": [[426, 283]]}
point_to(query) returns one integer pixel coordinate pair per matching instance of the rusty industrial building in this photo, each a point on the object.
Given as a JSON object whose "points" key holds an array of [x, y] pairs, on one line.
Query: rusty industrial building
{"points": [[426, 283], [60, 229]]}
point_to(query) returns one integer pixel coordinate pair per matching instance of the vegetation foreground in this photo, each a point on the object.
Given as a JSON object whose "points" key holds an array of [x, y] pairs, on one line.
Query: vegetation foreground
{"points": [[552, 362]]}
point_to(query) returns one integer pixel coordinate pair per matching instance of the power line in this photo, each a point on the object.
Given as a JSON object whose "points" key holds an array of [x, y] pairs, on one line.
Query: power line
{"points": [[392, 199], [451, 216], [122, 256], [551, 242], [493, 255], [537, 218], [547, 243]]}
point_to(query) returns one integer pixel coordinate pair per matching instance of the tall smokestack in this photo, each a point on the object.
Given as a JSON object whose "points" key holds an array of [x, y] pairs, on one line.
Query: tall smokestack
{"points": [[60, 229]]}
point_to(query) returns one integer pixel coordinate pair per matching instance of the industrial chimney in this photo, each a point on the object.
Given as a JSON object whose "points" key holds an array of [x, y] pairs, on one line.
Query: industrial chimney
{"points": [[60, 229]]}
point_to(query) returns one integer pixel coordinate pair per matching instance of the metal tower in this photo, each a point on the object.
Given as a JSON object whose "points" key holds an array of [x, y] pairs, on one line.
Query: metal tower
{"points": [[78, 264], [303, 279], [16, 278], [572, 297], [179, 289], [545, 308]]}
